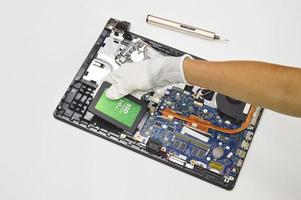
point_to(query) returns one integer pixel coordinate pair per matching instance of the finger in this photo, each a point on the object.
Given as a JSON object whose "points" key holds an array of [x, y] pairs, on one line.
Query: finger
{"points": [[113, 93], [108, 78], [153, 53]]}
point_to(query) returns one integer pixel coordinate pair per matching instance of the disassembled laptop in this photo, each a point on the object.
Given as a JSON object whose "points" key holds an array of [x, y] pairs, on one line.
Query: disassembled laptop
{"points": [[193, 129]]}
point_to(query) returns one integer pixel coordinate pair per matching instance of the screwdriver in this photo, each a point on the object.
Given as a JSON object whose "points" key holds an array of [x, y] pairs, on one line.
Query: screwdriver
{"points": [[184, 28]]}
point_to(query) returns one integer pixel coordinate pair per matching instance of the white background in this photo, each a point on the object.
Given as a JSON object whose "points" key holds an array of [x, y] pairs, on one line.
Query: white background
{"points": [[43, 44]]}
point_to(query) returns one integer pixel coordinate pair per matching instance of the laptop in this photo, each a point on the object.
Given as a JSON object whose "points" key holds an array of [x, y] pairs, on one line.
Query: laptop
{"points": [[192, 129]]}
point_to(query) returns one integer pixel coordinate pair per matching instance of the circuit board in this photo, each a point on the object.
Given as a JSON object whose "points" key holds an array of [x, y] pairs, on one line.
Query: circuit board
{"points": [[219, 152], [193, 129]]}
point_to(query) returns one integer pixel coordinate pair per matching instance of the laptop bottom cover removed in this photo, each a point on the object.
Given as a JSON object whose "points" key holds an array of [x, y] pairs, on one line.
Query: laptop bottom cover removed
{"points": [[165, 125]]}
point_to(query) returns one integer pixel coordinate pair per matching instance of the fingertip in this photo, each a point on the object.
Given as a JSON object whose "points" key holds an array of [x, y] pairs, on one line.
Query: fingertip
{"points": [[113, 93]]}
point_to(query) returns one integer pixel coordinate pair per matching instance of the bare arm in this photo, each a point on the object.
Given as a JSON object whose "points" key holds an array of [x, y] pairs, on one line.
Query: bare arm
{"points": [[267, 85]]}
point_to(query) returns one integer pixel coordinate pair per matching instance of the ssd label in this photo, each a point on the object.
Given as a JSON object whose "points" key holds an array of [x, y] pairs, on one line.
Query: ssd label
{"points": [[123, 110]]}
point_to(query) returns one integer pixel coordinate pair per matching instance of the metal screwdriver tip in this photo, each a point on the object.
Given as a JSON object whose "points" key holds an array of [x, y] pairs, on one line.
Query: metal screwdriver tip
{"points": [[221, 38], [224, 39]]}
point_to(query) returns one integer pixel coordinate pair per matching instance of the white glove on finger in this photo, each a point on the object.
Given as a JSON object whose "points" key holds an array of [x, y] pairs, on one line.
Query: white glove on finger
{"points": [[142, 77]]}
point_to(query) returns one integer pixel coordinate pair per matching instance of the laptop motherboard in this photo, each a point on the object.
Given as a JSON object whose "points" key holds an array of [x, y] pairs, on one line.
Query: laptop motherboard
{"points": [[193, 129]]}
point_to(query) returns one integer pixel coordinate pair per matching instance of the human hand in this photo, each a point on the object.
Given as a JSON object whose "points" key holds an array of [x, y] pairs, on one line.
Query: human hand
{"points": [[145, 76]]}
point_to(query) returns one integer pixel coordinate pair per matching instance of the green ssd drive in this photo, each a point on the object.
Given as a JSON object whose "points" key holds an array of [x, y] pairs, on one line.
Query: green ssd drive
{"points": [[125, 113]]}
